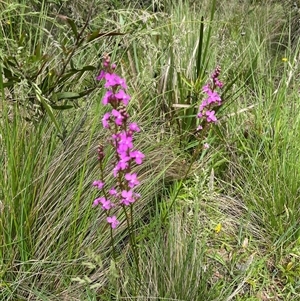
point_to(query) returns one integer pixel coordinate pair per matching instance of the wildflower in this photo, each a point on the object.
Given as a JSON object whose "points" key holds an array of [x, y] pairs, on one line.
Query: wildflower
{"points": [[134, 127], [98, 184], [132, 180], [211, 116], [122, 141], [121, 165], [125, 143], [105, 120], [97, 201], [128, 197], [218, 228], [284, 59], [118, 117], [109, 97], [213, 97], [106, 204], [138, 156], [101, 75], [113, 192], [122, 96], [112, 220], [113, 80]]}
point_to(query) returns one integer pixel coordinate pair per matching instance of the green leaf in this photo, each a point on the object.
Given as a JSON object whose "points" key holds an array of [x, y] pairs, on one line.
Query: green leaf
{"points": [[73, 27], [67, 95], [188, 82], [46, 106], [9, 84], [1, 83], [38, 52], [88, 68], [7, 73], [72, 65], [86, 92], [64, 107], [200, 46], [70, 22]]}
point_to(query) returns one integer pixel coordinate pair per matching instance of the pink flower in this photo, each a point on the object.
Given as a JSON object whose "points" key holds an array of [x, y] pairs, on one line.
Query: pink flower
{"points": [[121, 142], [206, 88], [122, 96], [211, 116], [105, 120], [134, 127], [113, 191], [219, 83], [112, 220], [213, 97], [128, 197], [121, 165], [118, 117], [97, 201], [125, 143], [106, 204], [138, 156], [101, 75], [113, 79], [99, 184], [108, 97], [132, 180]]}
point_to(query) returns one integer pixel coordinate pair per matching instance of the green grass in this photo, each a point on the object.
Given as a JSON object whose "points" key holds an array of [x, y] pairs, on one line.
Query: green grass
{"points": [[229, 229]]}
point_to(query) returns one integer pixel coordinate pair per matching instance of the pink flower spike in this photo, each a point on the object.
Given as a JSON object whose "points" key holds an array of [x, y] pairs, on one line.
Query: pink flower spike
{"points": [[112, 220], [206, 146], [99, 184]]}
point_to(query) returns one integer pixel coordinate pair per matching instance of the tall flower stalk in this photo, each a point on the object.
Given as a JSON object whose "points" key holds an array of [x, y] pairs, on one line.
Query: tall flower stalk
{"points": [[207, 117], [116, 121]]}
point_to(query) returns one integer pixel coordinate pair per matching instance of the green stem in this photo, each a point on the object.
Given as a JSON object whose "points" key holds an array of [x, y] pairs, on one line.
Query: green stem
{"points": [[129, 221], [114, 255], [195, 155]]}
